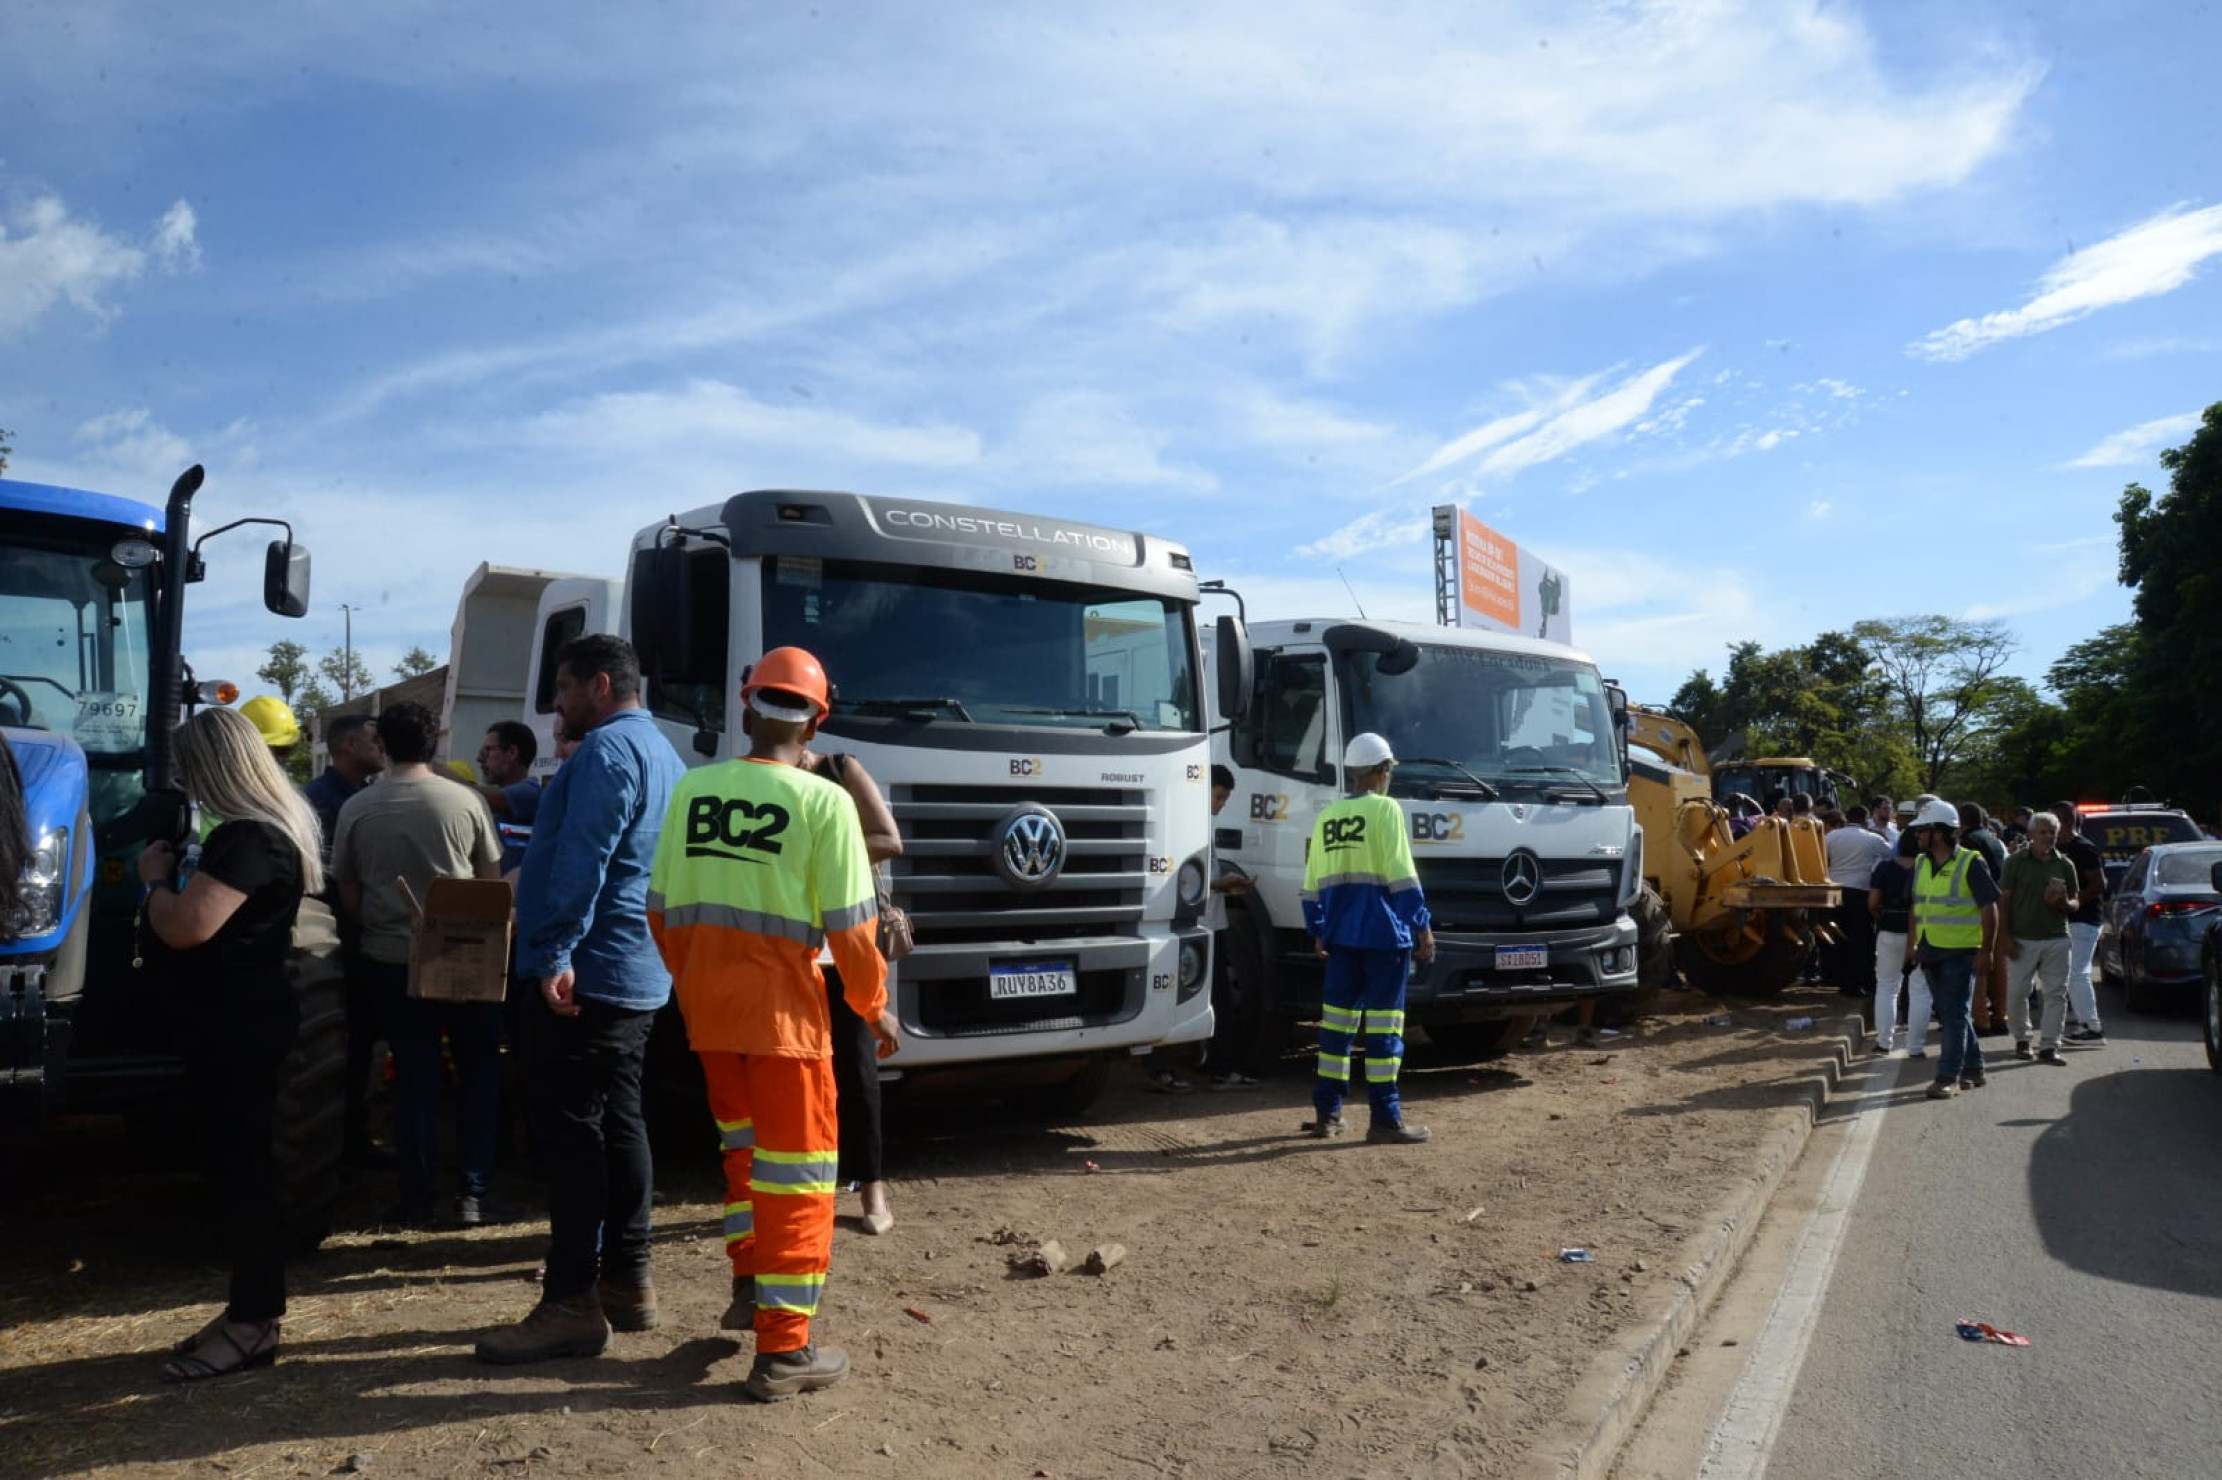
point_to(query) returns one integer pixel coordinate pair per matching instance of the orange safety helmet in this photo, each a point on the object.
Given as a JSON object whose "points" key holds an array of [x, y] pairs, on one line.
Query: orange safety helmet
{"points": [[788, 670]]}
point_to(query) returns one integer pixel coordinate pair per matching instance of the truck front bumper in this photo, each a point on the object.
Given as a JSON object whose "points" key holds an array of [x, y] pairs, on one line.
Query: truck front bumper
{"points": [[1466, 981]]}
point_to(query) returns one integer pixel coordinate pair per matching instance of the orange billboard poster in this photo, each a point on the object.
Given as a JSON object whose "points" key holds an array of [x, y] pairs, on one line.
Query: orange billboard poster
{"points": [[1488, 574]]}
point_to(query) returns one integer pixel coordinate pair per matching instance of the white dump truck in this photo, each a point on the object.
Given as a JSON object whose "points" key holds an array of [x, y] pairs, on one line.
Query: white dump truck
{"points": [[1513, 779]]}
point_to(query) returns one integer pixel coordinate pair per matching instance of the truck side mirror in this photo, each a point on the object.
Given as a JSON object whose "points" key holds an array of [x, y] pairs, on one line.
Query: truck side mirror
{"points": [[285, 579], [660, 601], [1401, 658], [1237, 669], [2215, 878], [1616, 700]]}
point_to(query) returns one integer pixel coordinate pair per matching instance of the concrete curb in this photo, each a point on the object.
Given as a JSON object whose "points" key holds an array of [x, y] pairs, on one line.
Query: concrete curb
{"points": [[1583, 1442]]}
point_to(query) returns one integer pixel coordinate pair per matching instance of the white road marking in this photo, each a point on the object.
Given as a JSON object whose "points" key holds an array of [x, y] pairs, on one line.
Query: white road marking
{"points": [[1743, 1439]]}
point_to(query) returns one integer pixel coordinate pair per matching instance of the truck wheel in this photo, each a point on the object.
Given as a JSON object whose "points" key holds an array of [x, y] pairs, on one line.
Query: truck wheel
{"points": [[1253, 990], [1654, 962], [1072, 1097], [1474, 1043], [312, 1107], [2212, 1012], [1740, 969]]}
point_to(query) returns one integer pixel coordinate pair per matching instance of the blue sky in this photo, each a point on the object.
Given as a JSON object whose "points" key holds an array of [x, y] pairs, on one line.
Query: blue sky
{"points": [[1758, 319]]}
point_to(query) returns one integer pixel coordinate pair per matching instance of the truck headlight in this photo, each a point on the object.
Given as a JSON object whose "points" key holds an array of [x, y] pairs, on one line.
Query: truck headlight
{"points": [[1191, 968], [40, 908], [1190, 882]]}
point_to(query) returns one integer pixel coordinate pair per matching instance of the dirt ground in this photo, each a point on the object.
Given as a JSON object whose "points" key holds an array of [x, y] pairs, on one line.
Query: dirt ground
{"points": [[1288, 1307]]}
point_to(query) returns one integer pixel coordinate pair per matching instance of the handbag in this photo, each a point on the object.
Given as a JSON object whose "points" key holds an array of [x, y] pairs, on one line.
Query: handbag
{"points": [[893, 933]]}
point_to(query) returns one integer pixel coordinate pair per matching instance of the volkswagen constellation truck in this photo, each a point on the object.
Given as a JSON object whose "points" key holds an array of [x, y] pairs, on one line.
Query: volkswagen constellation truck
{"points": [[1513, 779], [1028, 693]]}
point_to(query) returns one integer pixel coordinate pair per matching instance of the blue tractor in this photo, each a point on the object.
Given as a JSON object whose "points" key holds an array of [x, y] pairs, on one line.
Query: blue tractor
{"points": [[92, 682]]}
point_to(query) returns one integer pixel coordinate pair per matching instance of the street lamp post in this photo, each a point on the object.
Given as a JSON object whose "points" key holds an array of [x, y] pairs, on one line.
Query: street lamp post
{"points": [[347, 671]]}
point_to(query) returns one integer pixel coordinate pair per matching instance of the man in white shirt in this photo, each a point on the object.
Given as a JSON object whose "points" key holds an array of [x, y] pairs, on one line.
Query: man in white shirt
{"points": [[1853, 851], [1878, 819]]}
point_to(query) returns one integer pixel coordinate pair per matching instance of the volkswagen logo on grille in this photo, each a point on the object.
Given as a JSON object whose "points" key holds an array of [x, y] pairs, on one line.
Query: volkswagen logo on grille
{"points": [[1523, 878], [1030, 848]]}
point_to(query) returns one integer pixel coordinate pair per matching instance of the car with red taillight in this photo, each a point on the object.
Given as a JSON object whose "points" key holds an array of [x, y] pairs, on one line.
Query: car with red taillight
{"points": [[2156, 923]]}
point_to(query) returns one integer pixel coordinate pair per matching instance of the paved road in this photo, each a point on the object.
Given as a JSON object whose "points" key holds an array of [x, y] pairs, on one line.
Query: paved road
{"points": [[2079, 1206]]}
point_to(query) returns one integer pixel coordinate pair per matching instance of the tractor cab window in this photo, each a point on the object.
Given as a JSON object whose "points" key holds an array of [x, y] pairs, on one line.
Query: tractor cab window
{"points": [[73, 644]]}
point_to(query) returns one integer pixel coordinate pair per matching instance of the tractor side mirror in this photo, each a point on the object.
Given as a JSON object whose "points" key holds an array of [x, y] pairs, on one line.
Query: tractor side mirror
{"points": [[285, 579], [1237, 669]]}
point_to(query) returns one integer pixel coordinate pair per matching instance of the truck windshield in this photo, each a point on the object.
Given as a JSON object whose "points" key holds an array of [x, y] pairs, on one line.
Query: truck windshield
{"points": [[1512, 719], [73, 644], [974, 647]]}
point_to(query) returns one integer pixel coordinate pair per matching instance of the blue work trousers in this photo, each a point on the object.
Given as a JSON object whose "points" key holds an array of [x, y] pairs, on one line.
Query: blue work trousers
{"points": [[1364, 994], [1951, 977]]}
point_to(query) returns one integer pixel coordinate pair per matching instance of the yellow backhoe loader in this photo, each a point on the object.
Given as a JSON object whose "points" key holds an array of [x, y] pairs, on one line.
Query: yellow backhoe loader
{"points": [[1745, 911]]}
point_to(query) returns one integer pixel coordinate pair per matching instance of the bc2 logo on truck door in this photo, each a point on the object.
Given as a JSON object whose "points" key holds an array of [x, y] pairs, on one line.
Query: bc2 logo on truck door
{"points": [[1438, 827]]}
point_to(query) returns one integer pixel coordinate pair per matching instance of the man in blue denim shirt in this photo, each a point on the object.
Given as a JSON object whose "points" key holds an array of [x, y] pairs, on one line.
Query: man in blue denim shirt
{"points": [[582, 933]]}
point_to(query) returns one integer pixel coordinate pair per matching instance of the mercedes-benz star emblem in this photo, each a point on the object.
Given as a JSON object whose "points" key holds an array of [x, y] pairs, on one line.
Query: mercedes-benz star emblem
{"points": [[1523, 877], [1030, 848]]}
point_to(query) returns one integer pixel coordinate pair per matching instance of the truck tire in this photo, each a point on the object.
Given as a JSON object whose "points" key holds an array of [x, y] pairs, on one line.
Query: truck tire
{"points": [[1253, 990], [1765, 971], [1654, 962], [1069, 1098], [312, 1094], [1475, 1043]]}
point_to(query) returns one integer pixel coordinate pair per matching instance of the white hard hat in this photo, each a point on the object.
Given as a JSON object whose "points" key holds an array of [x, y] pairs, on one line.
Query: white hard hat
{"points": [[1937, 813], [1366, 751]]}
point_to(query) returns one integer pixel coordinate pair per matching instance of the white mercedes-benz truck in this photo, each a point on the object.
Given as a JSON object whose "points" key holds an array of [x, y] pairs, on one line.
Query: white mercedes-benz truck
{"points": [[1512, 773], [1028, 693]]}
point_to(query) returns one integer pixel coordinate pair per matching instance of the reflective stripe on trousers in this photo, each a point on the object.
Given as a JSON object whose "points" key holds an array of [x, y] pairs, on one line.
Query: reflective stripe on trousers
{"points": [[1363, 994], [779, 1183]]}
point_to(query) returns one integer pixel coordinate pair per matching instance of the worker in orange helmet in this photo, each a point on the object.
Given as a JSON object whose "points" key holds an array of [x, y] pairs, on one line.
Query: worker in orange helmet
{"points": [[760, 864]]}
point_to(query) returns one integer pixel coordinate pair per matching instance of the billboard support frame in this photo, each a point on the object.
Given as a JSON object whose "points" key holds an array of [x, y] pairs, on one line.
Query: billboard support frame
{"points": [[1446, 565]]}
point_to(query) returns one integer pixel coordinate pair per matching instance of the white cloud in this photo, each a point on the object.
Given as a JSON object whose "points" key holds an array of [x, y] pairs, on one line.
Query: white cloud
{"points": [[176, 238], [710, 418], [2164, 344], [2135, 447], [54, 257], [2157, 255], [1088, 437], [1820, 508]]}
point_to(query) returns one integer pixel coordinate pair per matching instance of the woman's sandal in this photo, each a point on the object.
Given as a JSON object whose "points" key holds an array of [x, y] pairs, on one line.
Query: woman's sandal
{"points": [[193, 1366], [187, 1345]]}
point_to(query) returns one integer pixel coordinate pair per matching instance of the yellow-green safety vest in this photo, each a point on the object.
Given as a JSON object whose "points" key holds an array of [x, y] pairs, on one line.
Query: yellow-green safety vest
{"points": [[1945, 914]]}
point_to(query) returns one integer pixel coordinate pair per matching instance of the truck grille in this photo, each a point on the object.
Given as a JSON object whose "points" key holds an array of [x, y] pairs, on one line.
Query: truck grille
{"points": [[946, 879], [961, 1007], [1468, 894]]}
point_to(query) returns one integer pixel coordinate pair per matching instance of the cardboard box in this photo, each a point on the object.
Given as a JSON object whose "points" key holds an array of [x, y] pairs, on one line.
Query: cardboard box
{"points": [[461, 949]]}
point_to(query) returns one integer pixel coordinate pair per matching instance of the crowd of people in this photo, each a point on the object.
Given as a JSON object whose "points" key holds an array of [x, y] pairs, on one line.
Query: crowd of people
{"points": [[1945, 914], [626, 896]]}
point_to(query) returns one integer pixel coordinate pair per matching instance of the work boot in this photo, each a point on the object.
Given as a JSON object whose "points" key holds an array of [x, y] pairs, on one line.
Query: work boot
{"points": [[2021, 1049], [1325, 1128], [1399, 1133], [781, 1375], [741, 1314], [2051, 1056], [1943, 1089], [570, 1327], [629, 1306]]}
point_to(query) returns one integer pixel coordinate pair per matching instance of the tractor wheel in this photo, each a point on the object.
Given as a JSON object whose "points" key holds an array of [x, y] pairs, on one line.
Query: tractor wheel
{"points": [[1743, 968], [312, 1094], [1654, 962]]}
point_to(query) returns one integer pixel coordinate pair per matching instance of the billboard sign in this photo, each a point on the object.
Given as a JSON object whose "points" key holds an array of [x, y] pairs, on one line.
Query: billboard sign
{"points": [[1503, 587]]}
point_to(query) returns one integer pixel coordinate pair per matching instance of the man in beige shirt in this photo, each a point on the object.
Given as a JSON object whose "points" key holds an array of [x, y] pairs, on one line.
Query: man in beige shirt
{"points": [[410, 828]]}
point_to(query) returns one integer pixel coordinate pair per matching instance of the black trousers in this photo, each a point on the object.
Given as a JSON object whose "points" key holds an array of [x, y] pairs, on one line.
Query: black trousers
{"points": [[856, 1083], [1855, 965], [233, 1062], [585, 1076], [365, 1022]]}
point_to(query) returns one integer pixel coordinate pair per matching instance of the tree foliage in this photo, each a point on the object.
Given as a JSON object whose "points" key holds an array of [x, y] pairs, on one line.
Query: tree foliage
{"points": [[345, 670], [1824, 700], [286, 669], [7, 445], [414, 662], [1943, 677]]}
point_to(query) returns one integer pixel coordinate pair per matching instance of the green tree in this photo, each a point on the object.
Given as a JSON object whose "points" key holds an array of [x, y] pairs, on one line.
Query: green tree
{"points": [[1942, 676], [314, 698], [7, 441], [414, 662], [286, 669], [346, 671], [2174, 674]]}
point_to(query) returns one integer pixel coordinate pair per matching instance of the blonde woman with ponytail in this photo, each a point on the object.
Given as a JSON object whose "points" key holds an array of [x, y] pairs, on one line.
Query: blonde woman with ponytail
{"points": [[227, 930]]}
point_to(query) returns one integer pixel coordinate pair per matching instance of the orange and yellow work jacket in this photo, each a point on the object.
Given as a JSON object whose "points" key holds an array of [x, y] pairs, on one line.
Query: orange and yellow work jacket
{"points": [[759, 865]]}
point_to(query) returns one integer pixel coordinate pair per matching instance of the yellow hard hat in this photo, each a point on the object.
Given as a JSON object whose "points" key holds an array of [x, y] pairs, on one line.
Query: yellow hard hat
{"points": [[273, 720], [463, 770]]}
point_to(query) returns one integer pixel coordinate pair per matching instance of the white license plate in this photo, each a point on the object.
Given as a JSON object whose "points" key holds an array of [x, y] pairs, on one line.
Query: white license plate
{"points": [[1523, 958], [1032, 979]]}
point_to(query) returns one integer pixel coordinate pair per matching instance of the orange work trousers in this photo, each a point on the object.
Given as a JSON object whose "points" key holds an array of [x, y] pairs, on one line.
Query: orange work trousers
{"points": [[777, 1128]]}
